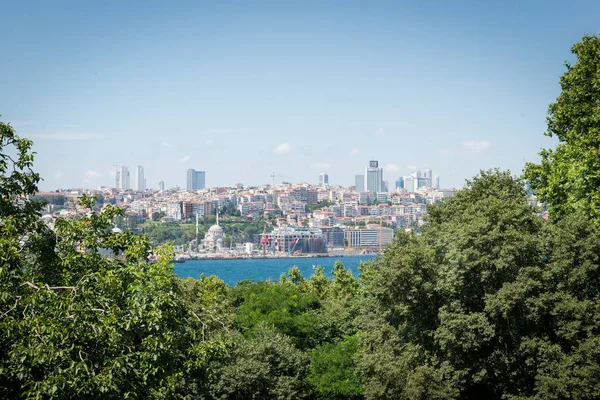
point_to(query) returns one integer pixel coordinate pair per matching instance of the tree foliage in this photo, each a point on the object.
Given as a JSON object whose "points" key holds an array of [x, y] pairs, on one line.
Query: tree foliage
{"points": [[83, 312], [490, 301], [568, 177]]}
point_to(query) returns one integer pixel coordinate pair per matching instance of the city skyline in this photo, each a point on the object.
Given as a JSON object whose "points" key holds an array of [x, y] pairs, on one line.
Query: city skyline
{"points": [[450, 87], [197, 180]]}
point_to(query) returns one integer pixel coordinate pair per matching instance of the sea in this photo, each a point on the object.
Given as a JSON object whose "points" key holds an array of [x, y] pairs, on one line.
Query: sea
{"points": [[234, 270]]}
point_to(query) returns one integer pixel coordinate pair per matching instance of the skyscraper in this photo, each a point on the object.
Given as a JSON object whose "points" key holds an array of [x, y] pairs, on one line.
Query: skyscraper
{"points": [[195, 179], [428, 178], [373, 177], [123, 174], [323, 179], [409, 183], [140, 179], [359, 182], [161, 185], [400, 183]]}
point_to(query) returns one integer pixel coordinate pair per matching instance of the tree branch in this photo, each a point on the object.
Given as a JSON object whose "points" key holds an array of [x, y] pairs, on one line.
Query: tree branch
{"points": [[12, 308]]}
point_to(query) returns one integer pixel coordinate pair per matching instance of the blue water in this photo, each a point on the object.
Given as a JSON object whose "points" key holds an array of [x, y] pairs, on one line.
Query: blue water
{"points": [[232, 271]]}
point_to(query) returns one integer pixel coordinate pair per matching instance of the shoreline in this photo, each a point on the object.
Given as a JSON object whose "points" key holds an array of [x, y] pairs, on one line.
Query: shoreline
{"points": [[341, 255]]}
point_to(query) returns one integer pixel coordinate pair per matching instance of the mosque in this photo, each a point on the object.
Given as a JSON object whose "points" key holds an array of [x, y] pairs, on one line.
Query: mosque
{"points": [[213, 241]]}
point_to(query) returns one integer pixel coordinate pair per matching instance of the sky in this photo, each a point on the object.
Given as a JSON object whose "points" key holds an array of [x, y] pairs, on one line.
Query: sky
{"points": [[242, 90]]}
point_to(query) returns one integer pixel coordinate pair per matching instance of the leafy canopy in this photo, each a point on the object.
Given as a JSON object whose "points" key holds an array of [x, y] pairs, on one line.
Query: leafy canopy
{"points": [[568, 177]]}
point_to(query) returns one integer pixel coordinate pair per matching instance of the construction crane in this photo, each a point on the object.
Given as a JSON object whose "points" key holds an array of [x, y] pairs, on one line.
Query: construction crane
{"points": [[273, 176]]}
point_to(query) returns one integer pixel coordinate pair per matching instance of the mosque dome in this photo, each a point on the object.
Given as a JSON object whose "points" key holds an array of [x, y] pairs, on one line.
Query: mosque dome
{"points": [[215, 230]]}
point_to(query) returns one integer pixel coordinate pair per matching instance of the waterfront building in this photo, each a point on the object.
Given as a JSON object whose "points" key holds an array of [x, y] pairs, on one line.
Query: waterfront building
{"points": [[195, 180], [140, 179], [213, 241], [291, 240], [323, 179], [374, 177], [370, 238]]}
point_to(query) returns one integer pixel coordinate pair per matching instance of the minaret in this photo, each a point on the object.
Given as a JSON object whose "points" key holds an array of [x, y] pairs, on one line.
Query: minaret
{"points": [[217, 217], [197, 244]]}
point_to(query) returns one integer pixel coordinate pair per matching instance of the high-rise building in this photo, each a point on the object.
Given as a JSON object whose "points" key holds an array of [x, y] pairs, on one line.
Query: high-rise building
{"points": [[400, 183], [385, 186], [323, 179], [374, 177], [428, 178], [123, 174], [359, 182], [161, 185], [436, 182], [140, 179], [409, 183], [195, 179]]}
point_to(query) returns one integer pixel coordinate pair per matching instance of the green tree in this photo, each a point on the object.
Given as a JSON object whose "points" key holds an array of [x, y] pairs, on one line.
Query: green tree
{"points": [[490, 301], [568, 177], [285, 306], [82, 311], [264, 366], [332, 370]]}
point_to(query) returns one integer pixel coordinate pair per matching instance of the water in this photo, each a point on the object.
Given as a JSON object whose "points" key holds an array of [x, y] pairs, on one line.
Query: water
{"points": [[232, 271]]}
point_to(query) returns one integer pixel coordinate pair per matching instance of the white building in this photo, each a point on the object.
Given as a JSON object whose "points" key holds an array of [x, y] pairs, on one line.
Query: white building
{"points": [[213, 241], [409, 183], [374, 177], [140, 179], [123, 178], [369, 237]]}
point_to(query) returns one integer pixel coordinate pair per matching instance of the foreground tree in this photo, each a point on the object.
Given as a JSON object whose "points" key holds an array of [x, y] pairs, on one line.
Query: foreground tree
{"points": [[568, 177], [75, 322], [490, 301]]}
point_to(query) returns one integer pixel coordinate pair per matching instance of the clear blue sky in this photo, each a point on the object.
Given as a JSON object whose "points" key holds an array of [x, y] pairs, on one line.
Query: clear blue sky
{"points": [[242, 89]]}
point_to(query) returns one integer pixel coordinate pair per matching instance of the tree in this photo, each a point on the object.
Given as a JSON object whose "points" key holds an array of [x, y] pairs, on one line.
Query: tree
{"points": [[332, 370], [285, 306], [489, 302], [264, 366], [568, 177], [82, 311]]}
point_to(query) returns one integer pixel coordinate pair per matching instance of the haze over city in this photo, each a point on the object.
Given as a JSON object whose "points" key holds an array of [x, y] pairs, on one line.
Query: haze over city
{"points": [[297, 89]]}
